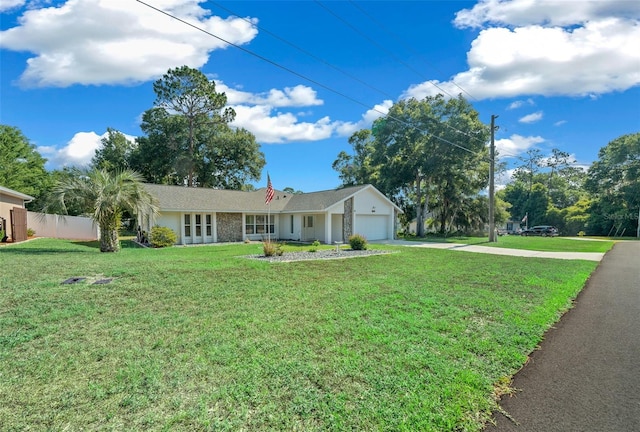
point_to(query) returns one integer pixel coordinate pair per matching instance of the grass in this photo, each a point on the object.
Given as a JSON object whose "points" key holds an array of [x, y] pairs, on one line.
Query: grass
{"points": [[546, 244], [199, 339]]}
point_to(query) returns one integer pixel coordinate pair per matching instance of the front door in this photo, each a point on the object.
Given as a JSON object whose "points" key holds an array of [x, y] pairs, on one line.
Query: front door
{"points": [[308, 228]]}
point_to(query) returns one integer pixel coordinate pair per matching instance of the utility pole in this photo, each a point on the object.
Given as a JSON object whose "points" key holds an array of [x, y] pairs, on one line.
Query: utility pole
{"points": [[492, 155]]}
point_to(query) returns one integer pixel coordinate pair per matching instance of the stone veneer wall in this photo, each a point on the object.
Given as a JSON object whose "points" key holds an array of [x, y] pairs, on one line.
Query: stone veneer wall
{"points": [[229, 227], [347, 220]]}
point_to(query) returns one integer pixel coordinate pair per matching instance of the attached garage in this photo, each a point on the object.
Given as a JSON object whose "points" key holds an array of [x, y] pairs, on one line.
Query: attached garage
{"points": [[373, 227]]}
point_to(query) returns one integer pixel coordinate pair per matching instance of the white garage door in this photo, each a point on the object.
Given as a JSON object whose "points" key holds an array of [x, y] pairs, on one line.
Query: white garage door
{"points": [[372, 227]]}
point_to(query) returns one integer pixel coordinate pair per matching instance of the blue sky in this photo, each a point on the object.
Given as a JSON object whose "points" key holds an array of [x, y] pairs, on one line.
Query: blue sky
{"points": [[559, 74]]}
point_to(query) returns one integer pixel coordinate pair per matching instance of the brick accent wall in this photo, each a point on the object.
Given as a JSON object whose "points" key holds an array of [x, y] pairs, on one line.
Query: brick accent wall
{"points": [[229, 227], [347, 220]]}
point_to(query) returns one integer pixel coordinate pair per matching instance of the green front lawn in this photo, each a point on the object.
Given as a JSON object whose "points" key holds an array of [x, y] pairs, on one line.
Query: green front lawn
{"points": [[200, 339], [545, 244]]}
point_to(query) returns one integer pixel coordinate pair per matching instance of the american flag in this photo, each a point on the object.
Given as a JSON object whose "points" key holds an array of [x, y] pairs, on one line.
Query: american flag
{"points": [[270, 191]]}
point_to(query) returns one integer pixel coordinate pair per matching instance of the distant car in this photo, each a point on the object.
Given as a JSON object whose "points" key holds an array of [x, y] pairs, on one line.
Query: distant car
{"points": [[541, 230]]}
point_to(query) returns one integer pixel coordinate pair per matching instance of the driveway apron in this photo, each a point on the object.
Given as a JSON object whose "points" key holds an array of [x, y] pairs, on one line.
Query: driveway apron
{"points": [[585, 376]]}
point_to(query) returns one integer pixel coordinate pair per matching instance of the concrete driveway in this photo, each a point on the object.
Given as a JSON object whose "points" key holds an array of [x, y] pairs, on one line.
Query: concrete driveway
{"points": [[589, 256]]}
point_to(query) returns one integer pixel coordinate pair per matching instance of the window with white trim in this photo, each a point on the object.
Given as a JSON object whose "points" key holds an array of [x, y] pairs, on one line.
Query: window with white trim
{"points": [[208, 224], [198, 225], [258, 224], [187, 225]]}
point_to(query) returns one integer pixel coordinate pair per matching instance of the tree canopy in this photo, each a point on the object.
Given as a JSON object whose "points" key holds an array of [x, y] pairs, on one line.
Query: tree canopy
{"points": [[105, 196], [614, 182], [21, 166], [429, 155], [188, 138]]}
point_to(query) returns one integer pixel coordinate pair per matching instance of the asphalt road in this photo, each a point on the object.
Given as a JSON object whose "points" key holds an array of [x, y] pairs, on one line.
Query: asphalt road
{"points": [[585, 376]]}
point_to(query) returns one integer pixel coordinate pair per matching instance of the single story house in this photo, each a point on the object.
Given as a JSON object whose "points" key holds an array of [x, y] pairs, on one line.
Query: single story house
{"points": [[13, 214], [200, 215]]}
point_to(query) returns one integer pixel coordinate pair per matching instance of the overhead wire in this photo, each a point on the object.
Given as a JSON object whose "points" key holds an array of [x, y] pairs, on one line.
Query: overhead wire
{"points": [[325, 62], [311, 80], [376, 44], [394, 57], [406, 46], [305, 52]]}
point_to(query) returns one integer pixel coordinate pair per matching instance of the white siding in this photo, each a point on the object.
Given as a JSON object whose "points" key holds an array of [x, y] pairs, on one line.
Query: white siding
{"points": [[170, 220]]}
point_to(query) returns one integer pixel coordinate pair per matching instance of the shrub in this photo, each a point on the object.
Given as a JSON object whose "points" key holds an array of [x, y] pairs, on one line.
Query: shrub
{"points": [[271, 248], [358, 242], [581, 234], [314, 246], [162, 237], [1, 235], [30, 232]]}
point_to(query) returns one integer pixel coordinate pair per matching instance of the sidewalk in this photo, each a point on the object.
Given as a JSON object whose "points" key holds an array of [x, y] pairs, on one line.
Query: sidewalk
{"points": [[585, 376]]}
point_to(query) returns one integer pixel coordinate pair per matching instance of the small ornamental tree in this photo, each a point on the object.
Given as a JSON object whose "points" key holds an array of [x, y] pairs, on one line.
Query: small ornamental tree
{"points": [[104, 196]]}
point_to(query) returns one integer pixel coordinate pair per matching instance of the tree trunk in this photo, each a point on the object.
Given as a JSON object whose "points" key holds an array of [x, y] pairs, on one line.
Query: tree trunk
{"points": [[109, 239], [419, 209]]}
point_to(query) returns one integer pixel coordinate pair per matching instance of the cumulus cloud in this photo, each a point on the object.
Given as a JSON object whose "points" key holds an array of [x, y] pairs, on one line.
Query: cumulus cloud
{"points": [[520, 103], [280, 127], [78, 151], [298, 96], [379, 110], [545, 48], [10, 4], [544, 12], [72, 44], [264, 115], [516, 145], [531, 118]]}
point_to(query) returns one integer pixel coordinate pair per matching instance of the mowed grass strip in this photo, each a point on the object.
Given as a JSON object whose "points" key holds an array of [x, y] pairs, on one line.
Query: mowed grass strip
{"points": [[198, 338]]}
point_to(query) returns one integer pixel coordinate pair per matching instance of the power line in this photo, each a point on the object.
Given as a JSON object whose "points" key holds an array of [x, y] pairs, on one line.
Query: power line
{"points": [[380, 47], [313, 56], [406, 45], [394, 57], [307, 53], [291, 71]]}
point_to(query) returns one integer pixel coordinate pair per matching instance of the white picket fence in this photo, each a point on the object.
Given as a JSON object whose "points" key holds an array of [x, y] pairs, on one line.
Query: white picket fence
{"points": [[63, 227]]}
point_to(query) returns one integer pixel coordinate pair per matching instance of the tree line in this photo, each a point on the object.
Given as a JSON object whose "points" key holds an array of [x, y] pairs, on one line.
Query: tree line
{"points": [[429, 156]]}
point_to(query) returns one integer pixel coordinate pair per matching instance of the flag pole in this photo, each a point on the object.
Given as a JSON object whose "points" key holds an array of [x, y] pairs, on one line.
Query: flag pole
{"points": [[267, 199], [269, 222]]}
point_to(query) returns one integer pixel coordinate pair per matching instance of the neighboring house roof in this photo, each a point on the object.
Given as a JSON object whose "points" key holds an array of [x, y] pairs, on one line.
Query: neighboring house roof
{"points": [[180, 198], [16, 194]]}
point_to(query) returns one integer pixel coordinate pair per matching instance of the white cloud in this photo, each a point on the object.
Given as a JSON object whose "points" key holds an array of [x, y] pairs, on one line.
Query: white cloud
{"points": [[594, 54], [379, 110], [72, 44], [298, 96], [543, 12], [531, 118], [78, 151], [280, 127], [10, 4], [560, 123], [520, 103], [516, 144], [259, 114]]}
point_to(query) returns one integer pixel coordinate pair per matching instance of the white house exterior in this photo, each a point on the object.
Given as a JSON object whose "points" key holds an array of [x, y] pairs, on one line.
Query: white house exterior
{"points": [[200, 215], [10, 201]]}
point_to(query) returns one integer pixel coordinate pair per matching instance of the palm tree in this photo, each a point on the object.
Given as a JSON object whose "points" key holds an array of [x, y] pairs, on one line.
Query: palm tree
{"points": [[105, 196]]}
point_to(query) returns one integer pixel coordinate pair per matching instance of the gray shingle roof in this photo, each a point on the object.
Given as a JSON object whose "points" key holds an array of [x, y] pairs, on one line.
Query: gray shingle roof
{"points": [[179, 198]]}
